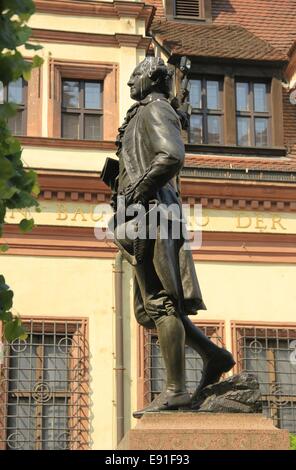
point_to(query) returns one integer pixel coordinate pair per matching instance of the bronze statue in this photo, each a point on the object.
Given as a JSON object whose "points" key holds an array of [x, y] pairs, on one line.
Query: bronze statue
{"points": [[166, 290]]}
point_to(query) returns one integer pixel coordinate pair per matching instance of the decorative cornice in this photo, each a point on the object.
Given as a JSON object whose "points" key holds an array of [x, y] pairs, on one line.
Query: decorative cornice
{"points": [[234, 150], [80, 242], [235, 195], [91, 39], [237, 174], [66, 143], [117, 9], [227, 195]]}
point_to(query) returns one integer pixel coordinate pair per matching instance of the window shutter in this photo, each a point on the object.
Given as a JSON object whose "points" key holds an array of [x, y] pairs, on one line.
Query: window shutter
{"points": [[187, 8]]}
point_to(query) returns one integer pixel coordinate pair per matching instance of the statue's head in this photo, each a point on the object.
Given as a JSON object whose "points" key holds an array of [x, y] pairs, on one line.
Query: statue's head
{"points": [[150, 75]]}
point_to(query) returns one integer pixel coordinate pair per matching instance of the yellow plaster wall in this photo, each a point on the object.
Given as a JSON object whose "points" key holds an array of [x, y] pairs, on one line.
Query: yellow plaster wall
{"points": [[66, 287], [82, 24], [65, 159], [253, 292]]}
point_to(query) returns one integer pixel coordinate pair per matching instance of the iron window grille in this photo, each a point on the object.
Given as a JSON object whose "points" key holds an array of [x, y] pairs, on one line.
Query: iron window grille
{"points": [[44, 388], [154, 371], [270, 353], [16, 92]]}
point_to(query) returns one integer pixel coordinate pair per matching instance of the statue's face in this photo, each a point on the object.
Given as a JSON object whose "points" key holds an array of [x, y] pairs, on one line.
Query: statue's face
{"points": [[140, 84]]}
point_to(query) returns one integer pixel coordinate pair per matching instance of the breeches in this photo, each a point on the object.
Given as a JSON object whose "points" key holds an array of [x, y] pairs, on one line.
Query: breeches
{"points": [[151, 302]]}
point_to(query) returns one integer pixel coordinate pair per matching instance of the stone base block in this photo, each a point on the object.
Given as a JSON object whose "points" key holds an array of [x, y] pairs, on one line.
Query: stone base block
{"points": [[205, 431]]}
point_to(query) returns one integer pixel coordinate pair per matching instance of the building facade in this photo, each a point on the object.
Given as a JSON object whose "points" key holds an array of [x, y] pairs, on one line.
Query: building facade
{"points": [[86, 364]]}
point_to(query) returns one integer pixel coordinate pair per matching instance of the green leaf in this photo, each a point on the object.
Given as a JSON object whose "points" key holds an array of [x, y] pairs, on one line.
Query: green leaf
{"points": [[14, 330], [36, 189], [6, 168], [23, 8], [7, 191], [23, 34], [27, 74], [33, 47], [6, 297], [26, 225], [13, 144], [4, 248], [6, 316], [7, 110], [37, 61]]}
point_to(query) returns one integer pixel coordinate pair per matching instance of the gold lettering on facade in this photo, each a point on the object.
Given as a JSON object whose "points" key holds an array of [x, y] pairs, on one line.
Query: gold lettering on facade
{"points": [[92, 215], [79, 212], [260, 224], [205, 221], [245, 224], [62, 213], [25, 213], [277, 221]]}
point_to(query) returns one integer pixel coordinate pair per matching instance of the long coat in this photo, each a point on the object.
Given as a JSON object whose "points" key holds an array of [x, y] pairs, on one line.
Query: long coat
{"points": [[152, 145]]}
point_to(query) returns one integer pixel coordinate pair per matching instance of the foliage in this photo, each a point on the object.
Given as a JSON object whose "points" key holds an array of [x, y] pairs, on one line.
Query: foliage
{"points": [[18, 186], [293, 441]]}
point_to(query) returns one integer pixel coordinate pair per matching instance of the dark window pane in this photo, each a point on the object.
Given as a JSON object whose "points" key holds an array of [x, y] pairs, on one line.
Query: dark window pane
{"points": [[193, 368], [22, 365], [157, 368], [261, 132], [256, 362], [70, 94], [195, 94], [243, 131], [287, 415], [55, 434], [196, 129], [21, 425], [56, 356], [214, 131], [15, 123], [92, 99], [70, 126], [260, 97], [285, 369], [92, 127], [15, 91], [213, 100], [1, 93], [242, 96]]}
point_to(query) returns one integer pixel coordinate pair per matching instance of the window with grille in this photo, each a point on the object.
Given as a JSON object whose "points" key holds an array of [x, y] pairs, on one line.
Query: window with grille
{"points": [[270, 353], [188, 8], [16, 92], [253, 116], [44, 388], [82, 109], [206, 121], [154, 370]]}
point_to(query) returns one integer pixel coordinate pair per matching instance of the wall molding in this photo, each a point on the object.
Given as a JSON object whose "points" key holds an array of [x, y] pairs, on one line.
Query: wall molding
{"points": [[80, 242], [116, 9], [57, 142], [223, 195], [91, 39]]}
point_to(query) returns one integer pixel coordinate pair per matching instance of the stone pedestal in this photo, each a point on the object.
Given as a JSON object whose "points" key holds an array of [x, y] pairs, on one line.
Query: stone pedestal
{"points": [[205, 431]]}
